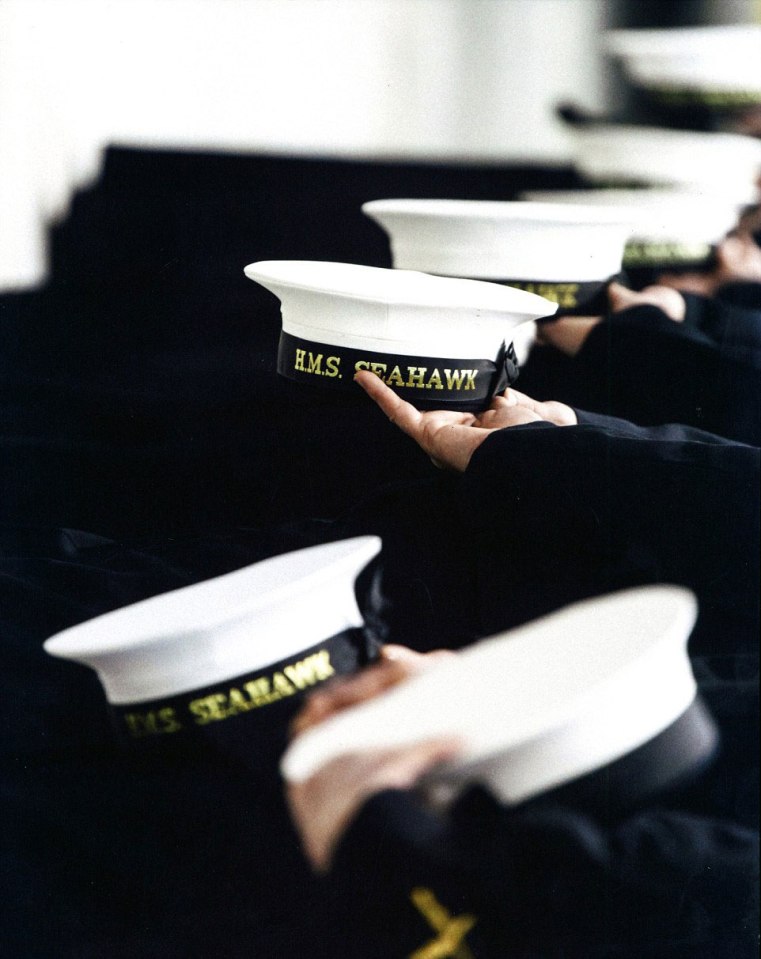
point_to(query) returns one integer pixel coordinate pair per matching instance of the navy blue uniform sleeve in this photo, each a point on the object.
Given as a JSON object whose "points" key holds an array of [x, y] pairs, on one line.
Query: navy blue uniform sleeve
{"points": [[552, 511], [549, 882], [669, 432], [742, 294], [563, 512], [642, 366]]}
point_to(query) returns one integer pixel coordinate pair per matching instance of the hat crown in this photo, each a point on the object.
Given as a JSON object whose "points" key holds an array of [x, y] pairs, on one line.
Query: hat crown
{"points": [[715, 164], [664, 213], [705, 58], [393, 288], [585, 686], [504, 240], [221, 627], [395, 311]]}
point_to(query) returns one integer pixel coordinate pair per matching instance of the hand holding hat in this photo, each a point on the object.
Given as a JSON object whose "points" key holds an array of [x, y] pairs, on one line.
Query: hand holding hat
{"points": [[670, 301], [597, 700], [738, 259], [395, 664], [569, 333], [451, 438], [323, 805]]}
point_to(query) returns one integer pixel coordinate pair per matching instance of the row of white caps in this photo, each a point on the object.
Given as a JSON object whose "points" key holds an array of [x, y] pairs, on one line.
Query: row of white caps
{"points": [[434, 302], [666, 214], [501, 240], [716, 68], [552, 235], [430, 305], [533, 707]]}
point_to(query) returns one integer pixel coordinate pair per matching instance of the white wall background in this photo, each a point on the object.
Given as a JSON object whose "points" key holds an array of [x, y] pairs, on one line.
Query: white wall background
{"points": [[446, 79]]}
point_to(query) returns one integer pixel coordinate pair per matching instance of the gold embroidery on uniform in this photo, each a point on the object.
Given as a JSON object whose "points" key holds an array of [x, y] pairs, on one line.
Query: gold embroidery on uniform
{"points": [[449, 943]]}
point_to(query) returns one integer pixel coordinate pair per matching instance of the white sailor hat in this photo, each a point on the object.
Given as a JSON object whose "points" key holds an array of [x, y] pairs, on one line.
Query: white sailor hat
{"points": [[245, 643], [722, 164], [717, 66], [439, 342], [566, 255], [670, 227], [605, 684]]}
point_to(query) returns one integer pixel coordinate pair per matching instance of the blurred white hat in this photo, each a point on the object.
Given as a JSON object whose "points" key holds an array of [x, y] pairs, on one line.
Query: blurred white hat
{"points": [[711, 164], [438, 341], [718, 66], [565, 254], [540, 706], [669, 226], [226, 646]]}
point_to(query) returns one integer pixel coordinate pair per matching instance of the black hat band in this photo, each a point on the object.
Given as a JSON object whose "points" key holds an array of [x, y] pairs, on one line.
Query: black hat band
{"points": [[664, 253], [587, 297], [714, 98], [267, 696], [666, 761], [429, 382]]}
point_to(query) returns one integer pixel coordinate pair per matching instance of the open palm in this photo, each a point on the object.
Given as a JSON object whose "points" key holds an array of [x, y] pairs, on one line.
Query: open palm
{"points": [[450, 438]]}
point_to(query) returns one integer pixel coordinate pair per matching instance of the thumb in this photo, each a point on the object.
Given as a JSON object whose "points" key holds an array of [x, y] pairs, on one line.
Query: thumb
{"points": [[620, 297], [514, 398]]}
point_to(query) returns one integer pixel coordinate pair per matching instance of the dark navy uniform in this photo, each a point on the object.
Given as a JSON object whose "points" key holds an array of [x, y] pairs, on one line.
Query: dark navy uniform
{"points": [[151, 853], [640, 365], [139, 406], [551, 512]]}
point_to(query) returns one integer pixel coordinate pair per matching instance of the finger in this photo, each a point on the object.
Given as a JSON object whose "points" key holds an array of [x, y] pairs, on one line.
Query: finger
{"points": [[349, 691], [396, 663], [398, 653], [401, 768], [667, 299], [506, 398], [411, 657], [521, 399], [739, 257], [323, 806], [403, 414], [703, 284], [569, 333], [621, 297], [517, 409]]}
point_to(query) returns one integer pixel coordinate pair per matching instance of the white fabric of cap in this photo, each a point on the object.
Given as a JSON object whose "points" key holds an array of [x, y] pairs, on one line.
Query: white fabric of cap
{"points": [[502, 240], [537, 706], [721, 58], [395, 311], [656, 214], [723, 164], [223, 627]]}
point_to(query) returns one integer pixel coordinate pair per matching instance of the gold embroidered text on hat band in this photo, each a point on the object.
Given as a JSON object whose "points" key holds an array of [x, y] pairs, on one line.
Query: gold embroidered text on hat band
{"points": [[433, 381], [237, 696]]}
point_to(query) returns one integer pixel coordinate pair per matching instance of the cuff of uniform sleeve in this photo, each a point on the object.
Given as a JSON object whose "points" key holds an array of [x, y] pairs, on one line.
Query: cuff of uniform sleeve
{"points": [[518, 448], [744, 294], [494, 443], [390, 830], [642, 316], [603, 421], [696, 309]]}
